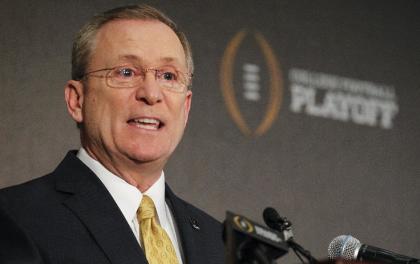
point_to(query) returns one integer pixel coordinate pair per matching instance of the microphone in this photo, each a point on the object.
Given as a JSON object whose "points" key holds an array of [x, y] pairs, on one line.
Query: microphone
{"points": [[350, 248], [281, 224], [276, 222]]}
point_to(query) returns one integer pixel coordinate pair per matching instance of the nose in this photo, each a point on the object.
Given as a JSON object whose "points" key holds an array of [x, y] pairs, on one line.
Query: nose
{"points": [[149, 90]]}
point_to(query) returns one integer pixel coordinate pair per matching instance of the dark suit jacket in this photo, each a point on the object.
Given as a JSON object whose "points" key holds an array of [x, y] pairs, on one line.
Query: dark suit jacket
{"points": [[71, 218], [15, 245]]}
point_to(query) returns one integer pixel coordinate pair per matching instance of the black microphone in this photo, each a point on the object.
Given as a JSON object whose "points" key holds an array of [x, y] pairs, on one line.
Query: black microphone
{"points": [[281, 224], [350, 248], [276, 222]]}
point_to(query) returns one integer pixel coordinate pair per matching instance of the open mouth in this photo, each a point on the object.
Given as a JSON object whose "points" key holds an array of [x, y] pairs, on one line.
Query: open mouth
{"points": [[146, 123]]}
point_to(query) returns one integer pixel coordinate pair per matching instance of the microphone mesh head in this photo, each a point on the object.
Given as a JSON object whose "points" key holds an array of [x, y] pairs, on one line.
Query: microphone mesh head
{"points": [[270, 216], [345, 247]]}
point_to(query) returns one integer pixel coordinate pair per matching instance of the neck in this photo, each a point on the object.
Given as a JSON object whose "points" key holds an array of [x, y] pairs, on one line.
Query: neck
{"points": [[141, 175]]}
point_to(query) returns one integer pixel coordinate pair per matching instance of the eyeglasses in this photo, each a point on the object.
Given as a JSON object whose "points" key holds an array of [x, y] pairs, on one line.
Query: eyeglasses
{"points": [[130, 76]]}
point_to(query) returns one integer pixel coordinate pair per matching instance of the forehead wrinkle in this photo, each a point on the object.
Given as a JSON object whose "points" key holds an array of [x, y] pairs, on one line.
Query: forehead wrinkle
{"points": [[138, 60], [174, 54], [130, 57]]}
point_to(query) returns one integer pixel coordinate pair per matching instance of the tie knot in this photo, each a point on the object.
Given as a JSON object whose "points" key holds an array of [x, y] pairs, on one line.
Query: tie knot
{"points": [[147, 208]]}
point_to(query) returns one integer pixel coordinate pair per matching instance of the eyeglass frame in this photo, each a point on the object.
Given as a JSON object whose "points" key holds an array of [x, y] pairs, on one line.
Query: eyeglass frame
{"points": [[144, 71]]}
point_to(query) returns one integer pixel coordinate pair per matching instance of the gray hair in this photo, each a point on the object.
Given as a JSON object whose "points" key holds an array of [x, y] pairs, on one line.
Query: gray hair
{"points": [[83, 44]]}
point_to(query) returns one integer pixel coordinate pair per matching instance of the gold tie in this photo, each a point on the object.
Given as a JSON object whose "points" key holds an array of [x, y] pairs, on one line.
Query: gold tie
{"points": [[156, 243]]}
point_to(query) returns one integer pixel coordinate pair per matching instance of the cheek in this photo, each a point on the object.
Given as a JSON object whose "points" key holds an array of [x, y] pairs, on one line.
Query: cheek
{"points": [[97, 111], [103, 103], [181, 117]]}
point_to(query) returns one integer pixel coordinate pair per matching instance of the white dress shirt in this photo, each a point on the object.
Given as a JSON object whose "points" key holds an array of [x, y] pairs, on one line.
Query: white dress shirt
{"points": [[128, 199]]}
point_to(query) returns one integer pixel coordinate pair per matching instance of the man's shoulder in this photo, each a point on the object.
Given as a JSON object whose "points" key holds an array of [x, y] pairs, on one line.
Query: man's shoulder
{"points": [[35, 194], [68, 170], [28, 190], [30, 203]]}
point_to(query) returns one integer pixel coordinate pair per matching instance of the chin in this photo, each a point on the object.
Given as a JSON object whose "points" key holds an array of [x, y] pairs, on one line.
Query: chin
{"points": [[146, 156]]}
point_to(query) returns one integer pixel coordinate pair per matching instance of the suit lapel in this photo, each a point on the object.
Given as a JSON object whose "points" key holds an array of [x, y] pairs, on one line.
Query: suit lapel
{"points": [[188, 228], [94, 206]]}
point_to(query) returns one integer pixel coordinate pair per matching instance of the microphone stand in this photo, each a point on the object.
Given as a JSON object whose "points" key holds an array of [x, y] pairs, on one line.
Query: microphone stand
{"points": [[284, 226], [298, 249]]}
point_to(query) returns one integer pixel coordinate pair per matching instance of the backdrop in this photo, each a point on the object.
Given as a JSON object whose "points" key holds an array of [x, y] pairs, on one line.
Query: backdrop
{"points": [[307, 106]]}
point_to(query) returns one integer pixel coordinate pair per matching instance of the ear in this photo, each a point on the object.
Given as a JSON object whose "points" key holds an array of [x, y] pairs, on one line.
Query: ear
{"points": [[73, 94], [187, 106]]}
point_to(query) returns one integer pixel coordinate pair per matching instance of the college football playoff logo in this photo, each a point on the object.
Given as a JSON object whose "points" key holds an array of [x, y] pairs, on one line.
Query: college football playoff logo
{"points": [[251, 82]]}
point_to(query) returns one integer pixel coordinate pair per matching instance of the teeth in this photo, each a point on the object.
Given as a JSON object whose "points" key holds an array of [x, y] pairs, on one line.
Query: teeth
{"points": [[147, 123]]}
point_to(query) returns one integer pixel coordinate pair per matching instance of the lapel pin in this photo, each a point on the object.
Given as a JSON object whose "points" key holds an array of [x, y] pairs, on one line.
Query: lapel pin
{"points": [[194, 224]]}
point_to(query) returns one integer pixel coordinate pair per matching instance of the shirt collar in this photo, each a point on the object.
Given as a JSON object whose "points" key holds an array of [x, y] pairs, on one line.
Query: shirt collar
{"points": [[126, 196]]}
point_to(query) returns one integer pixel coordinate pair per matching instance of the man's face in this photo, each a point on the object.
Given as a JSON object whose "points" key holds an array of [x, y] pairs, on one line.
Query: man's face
{"points": [[143, 124]]}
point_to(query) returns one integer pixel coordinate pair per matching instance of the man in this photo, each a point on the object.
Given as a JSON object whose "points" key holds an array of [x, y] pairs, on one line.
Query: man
{"points": [[108, 202]]}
